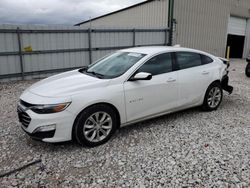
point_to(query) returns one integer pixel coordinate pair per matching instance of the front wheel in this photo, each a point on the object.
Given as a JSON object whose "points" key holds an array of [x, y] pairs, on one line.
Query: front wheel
{"points": [[95, 125], [213, 97]]}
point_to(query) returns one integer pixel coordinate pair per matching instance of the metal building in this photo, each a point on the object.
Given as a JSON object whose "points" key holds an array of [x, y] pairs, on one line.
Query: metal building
{"points": [[209, 25], [152, 13]]}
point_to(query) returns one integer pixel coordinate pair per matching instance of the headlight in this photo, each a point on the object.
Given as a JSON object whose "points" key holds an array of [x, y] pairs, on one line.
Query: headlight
{"points": [[48, 109]]}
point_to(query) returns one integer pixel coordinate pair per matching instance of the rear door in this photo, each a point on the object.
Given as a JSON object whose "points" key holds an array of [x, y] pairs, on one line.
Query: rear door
{"points": [[194, 77], [150, 97]]}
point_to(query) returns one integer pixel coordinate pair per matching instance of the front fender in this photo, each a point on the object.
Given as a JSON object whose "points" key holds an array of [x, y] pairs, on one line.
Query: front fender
{"points": [[113, 95]]}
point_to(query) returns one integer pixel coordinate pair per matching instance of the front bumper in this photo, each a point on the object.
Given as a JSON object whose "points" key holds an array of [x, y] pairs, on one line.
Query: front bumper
{"points": [[62, 121], [41, 135], [38, 126]]}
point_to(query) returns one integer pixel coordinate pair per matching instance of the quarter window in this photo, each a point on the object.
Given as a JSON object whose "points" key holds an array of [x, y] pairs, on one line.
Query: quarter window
{"points": [[158, 65], [206, 60], [188, 59]]}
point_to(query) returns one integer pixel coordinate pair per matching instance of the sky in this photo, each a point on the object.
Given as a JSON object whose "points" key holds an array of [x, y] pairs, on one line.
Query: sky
{"points": [[57, 12]]}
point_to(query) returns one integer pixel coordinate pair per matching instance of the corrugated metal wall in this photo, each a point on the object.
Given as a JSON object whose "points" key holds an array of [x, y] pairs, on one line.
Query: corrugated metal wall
{"points": [[151, 14], [203, 24], [45, 56]]}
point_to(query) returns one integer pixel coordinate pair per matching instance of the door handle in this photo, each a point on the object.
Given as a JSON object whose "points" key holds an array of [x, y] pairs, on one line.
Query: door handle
{"points": [[205, 72], [171, 80]]}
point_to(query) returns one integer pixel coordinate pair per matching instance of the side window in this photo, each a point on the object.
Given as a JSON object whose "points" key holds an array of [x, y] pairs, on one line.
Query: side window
{"points": [[206, 60], [158, 65], [188, 59]]}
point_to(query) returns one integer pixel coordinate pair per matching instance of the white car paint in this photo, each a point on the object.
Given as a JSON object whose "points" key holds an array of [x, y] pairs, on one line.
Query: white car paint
{"points": [[144, 98], [135, 101]]}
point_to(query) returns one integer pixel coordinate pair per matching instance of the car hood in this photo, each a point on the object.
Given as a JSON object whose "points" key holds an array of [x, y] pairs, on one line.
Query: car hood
{"points": [[66, 84]]}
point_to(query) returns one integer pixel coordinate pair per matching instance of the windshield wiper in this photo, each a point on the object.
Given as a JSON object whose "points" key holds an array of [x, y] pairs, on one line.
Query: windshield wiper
{"points": [[85, 70], [98, 75]]}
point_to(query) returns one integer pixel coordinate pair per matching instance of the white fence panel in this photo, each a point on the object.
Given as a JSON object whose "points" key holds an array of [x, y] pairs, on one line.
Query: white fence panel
{"points": [[112, 39], [46, 50], [9, 64], [8, 42], [55, 41], [55, 61]]}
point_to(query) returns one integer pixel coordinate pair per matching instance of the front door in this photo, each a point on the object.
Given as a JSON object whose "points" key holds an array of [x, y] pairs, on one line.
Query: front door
{"points": [[149, 97]]}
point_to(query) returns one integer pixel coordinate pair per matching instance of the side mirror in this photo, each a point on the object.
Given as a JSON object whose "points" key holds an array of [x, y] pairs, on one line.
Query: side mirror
{"points": [[141, 76]]}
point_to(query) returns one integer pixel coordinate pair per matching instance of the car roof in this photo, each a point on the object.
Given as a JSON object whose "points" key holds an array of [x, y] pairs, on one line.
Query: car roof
{"points": [[151, 50]]}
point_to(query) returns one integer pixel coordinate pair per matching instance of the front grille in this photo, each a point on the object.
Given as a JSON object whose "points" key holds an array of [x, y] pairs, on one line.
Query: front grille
{"points": [[23, 117]]}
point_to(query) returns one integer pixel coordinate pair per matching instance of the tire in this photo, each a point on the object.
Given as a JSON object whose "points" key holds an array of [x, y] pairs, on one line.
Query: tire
{"points": [[248, 70], [95, 125], [213, 97]]}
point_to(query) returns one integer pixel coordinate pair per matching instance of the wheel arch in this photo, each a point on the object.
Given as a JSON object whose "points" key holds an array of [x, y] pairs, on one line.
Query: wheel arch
{"points": [[204, 94], [204, 105], [216, 81], [100, 103]]}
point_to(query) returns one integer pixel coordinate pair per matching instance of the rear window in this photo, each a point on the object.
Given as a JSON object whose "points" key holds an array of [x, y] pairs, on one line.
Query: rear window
{"points": [[188, 60]]}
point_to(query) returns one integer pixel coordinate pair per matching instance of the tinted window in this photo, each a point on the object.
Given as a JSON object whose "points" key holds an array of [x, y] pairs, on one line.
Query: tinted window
{"points": [[206, 60], [158, 65], [188, 59]]}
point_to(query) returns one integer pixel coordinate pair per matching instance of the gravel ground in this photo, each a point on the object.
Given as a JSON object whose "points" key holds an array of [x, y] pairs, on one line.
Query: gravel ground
{"points": [[185, 149]]}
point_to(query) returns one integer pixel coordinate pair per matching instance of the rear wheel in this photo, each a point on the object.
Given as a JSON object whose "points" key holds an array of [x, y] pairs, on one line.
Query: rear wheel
{"points": [[95, 125], [213, 97]]}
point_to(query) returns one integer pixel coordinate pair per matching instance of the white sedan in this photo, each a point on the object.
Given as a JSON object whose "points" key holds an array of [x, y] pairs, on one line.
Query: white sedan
{"points": [[89, 104]]}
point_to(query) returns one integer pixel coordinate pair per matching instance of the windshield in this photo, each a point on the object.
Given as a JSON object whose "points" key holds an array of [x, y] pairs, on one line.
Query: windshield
{"points": [[114, 65]]}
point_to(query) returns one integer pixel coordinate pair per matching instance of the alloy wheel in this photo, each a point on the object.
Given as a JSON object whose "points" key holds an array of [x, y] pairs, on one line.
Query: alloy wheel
{"points": [[214, 97], [97, 127]]}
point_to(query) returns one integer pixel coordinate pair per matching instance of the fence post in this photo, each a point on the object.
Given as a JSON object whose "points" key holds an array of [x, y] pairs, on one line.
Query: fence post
{"points": [[134, 37], [90, 46], [20, 51], [166, 37]]}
